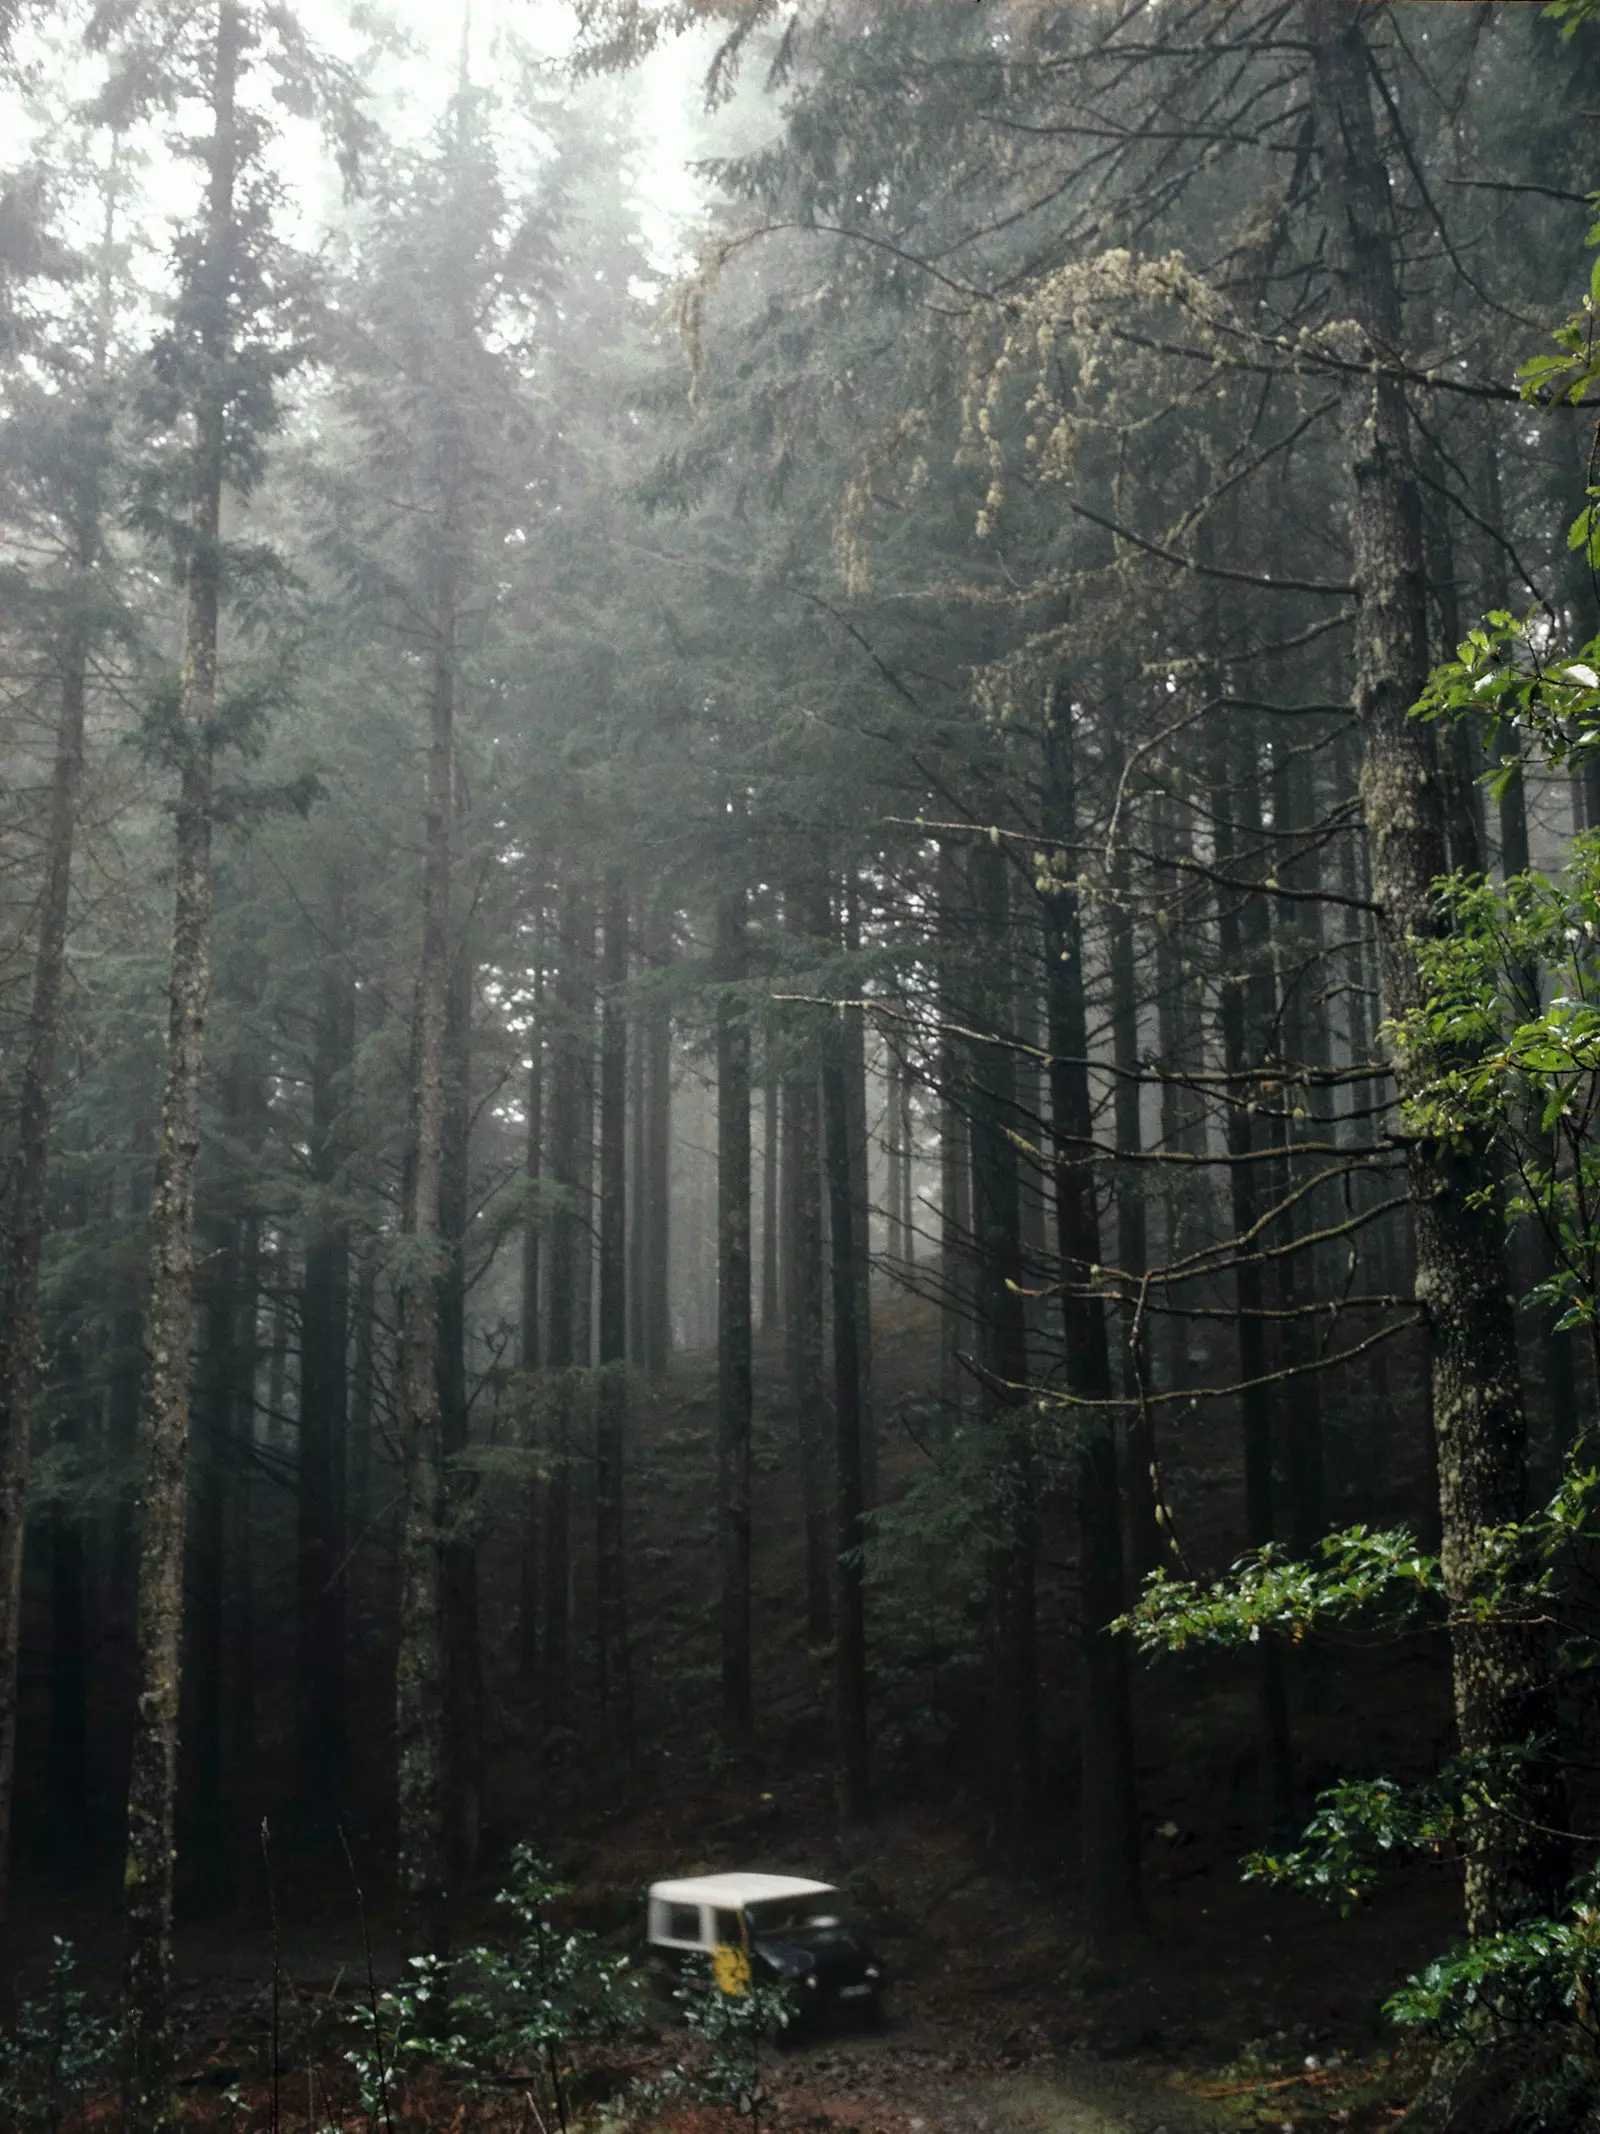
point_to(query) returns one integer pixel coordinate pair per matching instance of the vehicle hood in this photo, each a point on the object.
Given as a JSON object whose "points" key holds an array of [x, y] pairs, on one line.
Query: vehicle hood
{"points": [[835, 1954]]}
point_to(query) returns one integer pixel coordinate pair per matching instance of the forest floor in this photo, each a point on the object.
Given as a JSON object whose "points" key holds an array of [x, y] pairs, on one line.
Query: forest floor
{"points": [[1237, 2007]]}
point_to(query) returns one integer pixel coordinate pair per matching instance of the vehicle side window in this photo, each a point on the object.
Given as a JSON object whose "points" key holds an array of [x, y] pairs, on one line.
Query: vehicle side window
{"points": [[683, 1922], [729, 1928]]}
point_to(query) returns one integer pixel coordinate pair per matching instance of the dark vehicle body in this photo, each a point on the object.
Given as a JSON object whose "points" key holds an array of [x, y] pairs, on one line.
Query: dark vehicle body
{"points": [[788, 1932]]}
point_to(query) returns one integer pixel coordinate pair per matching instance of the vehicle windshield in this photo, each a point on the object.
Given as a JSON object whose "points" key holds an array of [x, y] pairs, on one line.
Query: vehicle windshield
{"points": [[793, 1915]]}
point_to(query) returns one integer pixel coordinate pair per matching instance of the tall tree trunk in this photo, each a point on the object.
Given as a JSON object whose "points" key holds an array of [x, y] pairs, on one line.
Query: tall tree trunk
{"points": [[906, 1126], [205, 1644], [26, 1185], [611, 1411], [420, 1690], [1133, 1246], [69, 1642], [1504, 1686], [164, 1418], [855, 1043], [850, 1635], [363, 1391], [771, 1228], [1181, 1035], [894, 1158], [1110, 1801], [638, 1165], [658, 1165], [955, 1174], [734, 1381], [320, 1739], [278, 1417], [804, 1331], [1247, 1016], [123, 1406], [531, 1350], [463, 1655], [241, 1497], [572, 1035], [28, 1171], [1297, 929], [1003, 1347], [1029, 1066]]}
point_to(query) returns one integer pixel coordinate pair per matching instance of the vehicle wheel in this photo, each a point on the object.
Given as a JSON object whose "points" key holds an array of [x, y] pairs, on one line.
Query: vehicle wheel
{"points": [[877, 2016]]}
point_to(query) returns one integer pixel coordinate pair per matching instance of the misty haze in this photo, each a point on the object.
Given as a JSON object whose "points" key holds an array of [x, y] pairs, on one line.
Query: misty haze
{"points": [[799, 1066]]}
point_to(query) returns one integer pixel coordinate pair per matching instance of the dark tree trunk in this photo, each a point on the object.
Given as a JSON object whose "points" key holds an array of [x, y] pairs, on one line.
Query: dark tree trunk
{"points": [[27, 1181], [638, 1168], [1247, 1015], [1297, 928], [363, 1392], [1003, 1348], [421, 1706], [27, 1176], [278, 1417], [611, 1411], [850, 1636], [572, 1038], [855, 1042], [1182, 1042], [241, 1495], [164, 1417], [205, 1643], [955, 1173], [1038, 1257], [734, 1380], [123, 1395], [463, 1657], [657, 1209], [1504, 1684], [1110, 1798], [1133, 1248], [69, 1641], [531, 1348], [894, 1159], [804, 1331], [320, 1740], [771, 1228]]}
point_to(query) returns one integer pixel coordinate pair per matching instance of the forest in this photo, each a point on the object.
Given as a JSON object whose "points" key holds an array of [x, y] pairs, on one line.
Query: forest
{"points": [[800, 1060]]}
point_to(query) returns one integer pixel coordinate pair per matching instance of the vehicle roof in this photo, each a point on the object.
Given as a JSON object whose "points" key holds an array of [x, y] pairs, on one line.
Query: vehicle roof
{"points": [[737, 1889]]}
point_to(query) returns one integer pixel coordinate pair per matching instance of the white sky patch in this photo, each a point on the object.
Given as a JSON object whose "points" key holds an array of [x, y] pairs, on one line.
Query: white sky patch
{"points": [[665, 95], [661, 103]]}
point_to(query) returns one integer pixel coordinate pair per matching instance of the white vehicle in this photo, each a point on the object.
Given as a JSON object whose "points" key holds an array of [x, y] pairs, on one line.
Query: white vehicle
{"points": [[778, 1929]]}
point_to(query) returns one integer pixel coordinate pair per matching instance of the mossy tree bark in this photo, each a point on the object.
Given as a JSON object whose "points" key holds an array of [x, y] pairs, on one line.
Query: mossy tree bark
{"points": [[164, 1414], [420, 1694], [1504, 1684]]}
